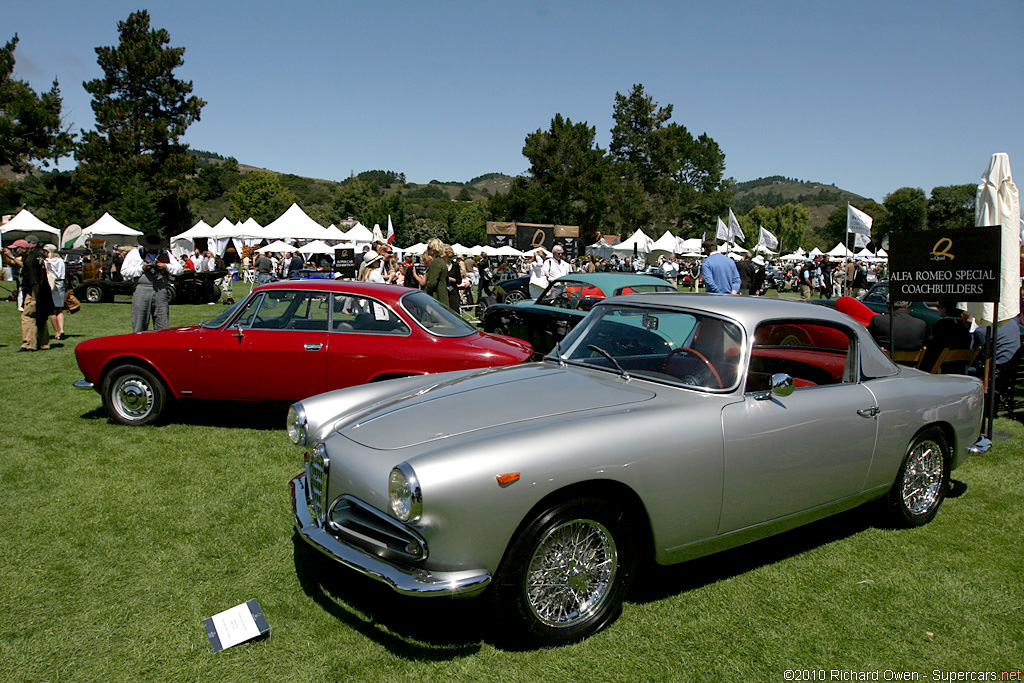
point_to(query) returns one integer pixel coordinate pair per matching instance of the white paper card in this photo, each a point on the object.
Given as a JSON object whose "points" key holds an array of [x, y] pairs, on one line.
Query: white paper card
{"points": [[379, 312], [235, 625]]}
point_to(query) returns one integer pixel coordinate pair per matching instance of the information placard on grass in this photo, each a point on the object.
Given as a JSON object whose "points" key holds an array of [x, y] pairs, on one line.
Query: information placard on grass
{"points": [[236, 625], [946, 265]]}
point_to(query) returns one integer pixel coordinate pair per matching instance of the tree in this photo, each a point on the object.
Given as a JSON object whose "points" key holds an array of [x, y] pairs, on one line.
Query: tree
{"points": [[569, 181], [31, 130], [668, 176], [787, 222], [261, 195], [952, 206], [141, 111], [906, 210]]}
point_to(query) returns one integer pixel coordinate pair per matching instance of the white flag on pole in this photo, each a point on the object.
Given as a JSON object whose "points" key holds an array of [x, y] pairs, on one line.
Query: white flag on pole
{"points": [[860, 241], [722, 232], [734, 228], [391, 231], [857, 221], [767, 239]]}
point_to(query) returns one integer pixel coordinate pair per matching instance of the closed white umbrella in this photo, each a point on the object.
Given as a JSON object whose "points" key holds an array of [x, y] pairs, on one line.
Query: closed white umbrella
{"points": [[998, 203]]}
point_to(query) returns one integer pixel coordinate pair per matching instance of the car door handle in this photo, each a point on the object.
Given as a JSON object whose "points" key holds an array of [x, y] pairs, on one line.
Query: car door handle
{"points": [[314, 347], [869, 412]]}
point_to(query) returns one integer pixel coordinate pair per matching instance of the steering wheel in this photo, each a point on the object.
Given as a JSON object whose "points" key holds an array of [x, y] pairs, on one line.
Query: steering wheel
{"points": [[699, 356]]}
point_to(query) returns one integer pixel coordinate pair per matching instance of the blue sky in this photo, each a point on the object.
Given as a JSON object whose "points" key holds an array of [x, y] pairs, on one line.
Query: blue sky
{"points": [[871, 96]]}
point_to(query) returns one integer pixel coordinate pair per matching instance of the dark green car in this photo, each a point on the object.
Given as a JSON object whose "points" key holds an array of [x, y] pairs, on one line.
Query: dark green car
{"points": [[564, 303]]}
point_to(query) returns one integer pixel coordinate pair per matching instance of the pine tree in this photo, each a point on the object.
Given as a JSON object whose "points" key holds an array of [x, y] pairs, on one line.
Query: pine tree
{"points": [[141, 111]]}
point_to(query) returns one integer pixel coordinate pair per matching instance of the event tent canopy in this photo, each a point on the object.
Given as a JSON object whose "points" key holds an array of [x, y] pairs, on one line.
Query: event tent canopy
{"points": [[295, 224], [24, 224], [639, 239], [277, 246], [841, 251], [666, 244], [316, 247], [110, 229], [359, 233]]}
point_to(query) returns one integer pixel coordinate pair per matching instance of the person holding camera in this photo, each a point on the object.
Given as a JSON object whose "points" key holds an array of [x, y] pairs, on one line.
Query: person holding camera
{"points": [[151, 266]]}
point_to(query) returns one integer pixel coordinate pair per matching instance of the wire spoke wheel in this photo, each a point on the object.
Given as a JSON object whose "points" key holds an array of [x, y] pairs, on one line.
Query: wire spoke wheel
{"points": [[923, 477], [920, 485], [571, 573]]}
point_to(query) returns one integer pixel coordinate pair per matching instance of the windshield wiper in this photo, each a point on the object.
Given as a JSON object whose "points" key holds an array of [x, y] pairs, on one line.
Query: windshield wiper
{"points": [[622, 371]]}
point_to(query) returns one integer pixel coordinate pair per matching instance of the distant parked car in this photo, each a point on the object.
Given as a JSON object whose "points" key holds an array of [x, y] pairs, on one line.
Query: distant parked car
{"points": [[303, 337]]}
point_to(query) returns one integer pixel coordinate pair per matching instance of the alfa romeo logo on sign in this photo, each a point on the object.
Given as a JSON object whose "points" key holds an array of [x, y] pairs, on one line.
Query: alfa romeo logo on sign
{"points": [[948, 265]]}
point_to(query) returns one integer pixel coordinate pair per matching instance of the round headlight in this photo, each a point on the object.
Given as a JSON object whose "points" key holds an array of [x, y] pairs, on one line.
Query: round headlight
{"points": [[296, 422], [404, 493]]}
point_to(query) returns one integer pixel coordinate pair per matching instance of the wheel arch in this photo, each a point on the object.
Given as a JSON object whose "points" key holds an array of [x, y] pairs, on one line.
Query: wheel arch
{"points": [[610, 490], [120, 361]]}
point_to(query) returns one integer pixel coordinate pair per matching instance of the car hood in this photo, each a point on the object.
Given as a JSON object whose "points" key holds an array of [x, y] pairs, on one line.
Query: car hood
{"points": [[491, 398]]}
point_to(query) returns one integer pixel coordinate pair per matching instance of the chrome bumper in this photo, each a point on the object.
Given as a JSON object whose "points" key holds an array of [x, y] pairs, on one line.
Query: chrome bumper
{"points": [[982, 445], [83, 384], [405, 580]]}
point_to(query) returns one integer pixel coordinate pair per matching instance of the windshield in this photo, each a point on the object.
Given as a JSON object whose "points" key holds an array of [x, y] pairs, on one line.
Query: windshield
{"points": [[688, 348], [223, 316], [434, 317]]}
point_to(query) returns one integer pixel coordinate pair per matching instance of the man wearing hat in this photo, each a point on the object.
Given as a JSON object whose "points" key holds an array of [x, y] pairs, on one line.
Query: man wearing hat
{"points": [[757, 285], [150, 266], [37, 299]]}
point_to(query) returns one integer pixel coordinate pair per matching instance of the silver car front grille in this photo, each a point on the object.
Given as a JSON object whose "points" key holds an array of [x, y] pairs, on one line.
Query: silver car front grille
{"points": [[316, 472]]}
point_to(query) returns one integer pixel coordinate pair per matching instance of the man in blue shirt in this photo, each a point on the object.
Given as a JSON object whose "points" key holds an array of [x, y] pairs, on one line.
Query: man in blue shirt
{"points": [[719, 271]]}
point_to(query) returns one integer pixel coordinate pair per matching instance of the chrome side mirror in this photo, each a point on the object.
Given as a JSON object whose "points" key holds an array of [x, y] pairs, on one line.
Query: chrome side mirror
{"points": [[781, 385]]}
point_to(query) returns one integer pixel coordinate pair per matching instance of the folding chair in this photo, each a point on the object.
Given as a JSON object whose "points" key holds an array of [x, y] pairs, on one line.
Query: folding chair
{"points": [[963, 357], [909, 358]]}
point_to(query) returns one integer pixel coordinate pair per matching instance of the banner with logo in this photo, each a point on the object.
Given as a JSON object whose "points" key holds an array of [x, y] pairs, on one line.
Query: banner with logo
{"points": [[734, 228], [857, 221], [722, 232], [767, 239], [945, 265]]}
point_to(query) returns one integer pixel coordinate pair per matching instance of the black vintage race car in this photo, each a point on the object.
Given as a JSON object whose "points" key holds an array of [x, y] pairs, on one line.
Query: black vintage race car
{"points": [[188, 288]]}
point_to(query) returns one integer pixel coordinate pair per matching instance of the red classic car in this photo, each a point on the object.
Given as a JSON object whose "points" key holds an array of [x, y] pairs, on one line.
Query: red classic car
{"points": [[287, 341]]}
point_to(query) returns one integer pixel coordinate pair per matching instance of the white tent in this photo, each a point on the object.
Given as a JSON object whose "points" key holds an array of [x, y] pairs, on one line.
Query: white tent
{"points": [[110, 229], [865, 252], [816, 252], [295, 224], [277, 246], [600, 249], [639, 239], [666, 244], [840, 251], [694, 245], [335, 234], [316, 247], [416, 249], [463, 251], [793, 257], [23, 224], [508, 250], [359, 234], [881, 253], [184, 242]]}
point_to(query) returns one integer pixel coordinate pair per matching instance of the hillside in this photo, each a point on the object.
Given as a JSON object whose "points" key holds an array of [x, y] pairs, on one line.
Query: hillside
{"points": [[819, 198]]}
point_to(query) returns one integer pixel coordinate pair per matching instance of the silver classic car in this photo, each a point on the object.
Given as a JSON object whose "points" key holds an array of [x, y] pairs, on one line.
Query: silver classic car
{"points": [[664, 427]]}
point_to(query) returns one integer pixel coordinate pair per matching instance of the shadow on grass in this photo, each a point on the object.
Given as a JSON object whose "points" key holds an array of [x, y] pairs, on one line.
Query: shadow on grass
{"points": [[423, 629], [657, 581], [232, 414]]}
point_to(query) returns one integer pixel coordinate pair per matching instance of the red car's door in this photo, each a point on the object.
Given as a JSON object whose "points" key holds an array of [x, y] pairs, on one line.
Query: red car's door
{"points": [[275, 351], [369, 339]]}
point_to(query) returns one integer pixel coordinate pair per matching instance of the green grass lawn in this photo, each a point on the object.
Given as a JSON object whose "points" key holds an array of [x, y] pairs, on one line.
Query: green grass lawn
{"points": [[117, 542]]}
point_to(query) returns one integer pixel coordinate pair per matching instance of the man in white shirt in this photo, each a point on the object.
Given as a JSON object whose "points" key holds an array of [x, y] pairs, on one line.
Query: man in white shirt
{"points": [[150, 266], [556, 267]]}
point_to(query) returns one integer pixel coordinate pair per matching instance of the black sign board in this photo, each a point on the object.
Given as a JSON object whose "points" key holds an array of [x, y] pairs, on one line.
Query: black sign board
{"points": [[945, 265], [345, 263], [527, 237]]}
